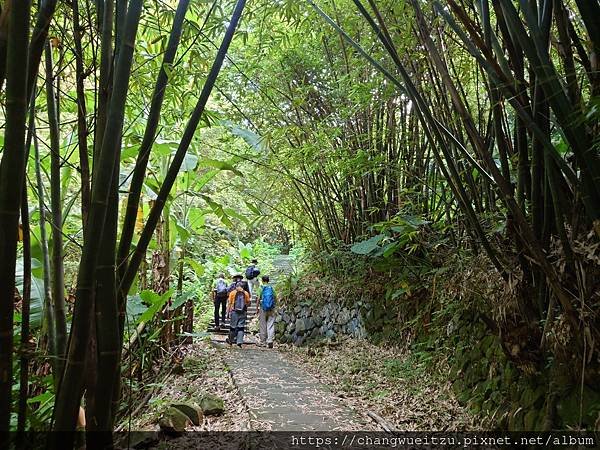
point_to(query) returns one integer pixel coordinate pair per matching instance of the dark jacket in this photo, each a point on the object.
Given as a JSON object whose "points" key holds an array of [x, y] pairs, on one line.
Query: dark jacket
{"points": [[244, 286]]}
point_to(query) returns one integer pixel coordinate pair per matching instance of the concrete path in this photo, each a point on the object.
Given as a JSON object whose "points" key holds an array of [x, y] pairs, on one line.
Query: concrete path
{"points": [[283, 264], [281, 396]]}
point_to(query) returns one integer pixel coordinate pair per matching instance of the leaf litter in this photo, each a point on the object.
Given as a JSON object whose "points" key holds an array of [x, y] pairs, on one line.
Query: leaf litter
{"points": [[209, 376], [387, 382]]}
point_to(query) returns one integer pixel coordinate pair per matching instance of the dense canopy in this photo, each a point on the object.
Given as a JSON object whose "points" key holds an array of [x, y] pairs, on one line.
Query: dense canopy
{"points": [[437, 159]]}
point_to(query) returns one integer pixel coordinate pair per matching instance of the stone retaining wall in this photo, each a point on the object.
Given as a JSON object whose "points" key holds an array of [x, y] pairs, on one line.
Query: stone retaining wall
{"points": [[307, 321]]}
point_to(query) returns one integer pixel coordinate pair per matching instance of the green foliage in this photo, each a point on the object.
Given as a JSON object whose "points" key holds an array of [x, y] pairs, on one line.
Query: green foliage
{"points": [[221, 165], [398, 234], [180, 299], [41, 409], [252, 139], [145, 306], [368, 246], [36, 305]]}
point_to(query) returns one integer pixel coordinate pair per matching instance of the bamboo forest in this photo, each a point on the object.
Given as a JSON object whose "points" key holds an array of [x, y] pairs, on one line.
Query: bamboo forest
{"points": [[299, 223]]}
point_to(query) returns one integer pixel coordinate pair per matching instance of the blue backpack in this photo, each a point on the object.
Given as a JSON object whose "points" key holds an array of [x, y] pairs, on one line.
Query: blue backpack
{"points": [[267, 301]]}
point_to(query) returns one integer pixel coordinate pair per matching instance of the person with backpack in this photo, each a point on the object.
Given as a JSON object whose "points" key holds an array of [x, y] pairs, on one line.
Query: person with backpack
{"points": [[266, 313], [238, 278], [237, 305], [252, 274], [220, 294]]}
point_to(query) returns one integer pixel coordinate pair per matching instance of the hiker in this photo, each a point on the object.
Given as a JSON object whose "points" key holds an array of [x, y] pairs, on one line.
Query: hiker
{"points": [[238, 302], [266, 313], [238, 278], [219, 294], [252, 274]]}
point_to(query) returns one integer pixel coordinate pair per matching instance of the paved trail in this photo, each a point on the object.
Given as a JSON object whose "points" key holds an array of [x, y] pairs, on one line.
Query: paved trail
{"points": [[282, 396], [279, 394]]}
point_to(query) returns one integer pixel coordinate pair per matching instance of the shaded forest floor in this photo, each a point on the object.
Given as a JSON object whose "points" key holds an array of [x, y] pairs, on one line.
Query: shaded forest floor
{"points": [[348, 385], [203, 370], [385, 382]]}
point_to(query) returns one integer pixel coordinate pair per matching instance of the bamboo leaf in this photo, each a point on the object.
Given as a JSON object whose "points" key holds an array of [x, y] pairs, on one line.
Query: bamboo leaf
{"points": [[233, 213], [252, 139], [253, 208], [368, 246], [220, 165]]}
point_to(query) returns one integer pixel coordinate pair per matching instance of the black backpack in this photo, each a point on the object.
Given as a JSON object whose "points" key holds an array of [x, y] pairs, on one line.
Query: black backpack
{"points": [[252, 272]]}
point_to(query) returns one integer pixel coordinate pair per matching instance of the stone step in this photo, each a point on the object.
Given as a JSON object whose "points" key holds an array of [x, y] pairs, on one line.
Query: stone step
{"points": [[223, 331], [222, 342], [225, 328], [214, 330], [223, 324], [226, 322], [249, 317]]}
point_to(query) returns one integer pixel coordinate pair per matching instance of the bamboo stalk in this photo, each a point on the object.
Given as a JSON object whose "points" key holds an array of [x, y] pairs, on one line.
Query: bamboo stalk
{"points": [[39, 37], [570, 122], [4, 13], [48, 304], [25, 295], [70, 391], [434, 135], [159, 204], [108, 341], [82, 129], [25, 315], [141, 164], [12, 176], [104, 81], [58, 283]]}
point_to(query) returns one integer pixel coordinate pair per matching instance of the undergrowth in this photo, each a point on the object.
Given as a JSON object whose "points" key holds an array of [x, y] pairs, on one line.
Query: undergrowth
{"points": [[454, 322]]}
